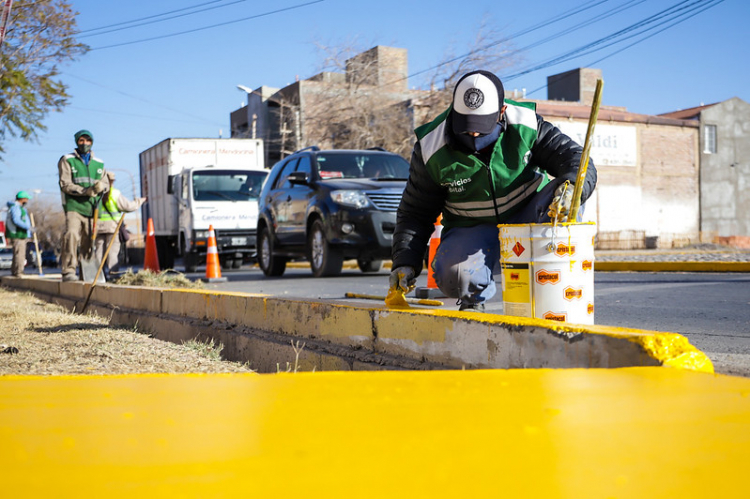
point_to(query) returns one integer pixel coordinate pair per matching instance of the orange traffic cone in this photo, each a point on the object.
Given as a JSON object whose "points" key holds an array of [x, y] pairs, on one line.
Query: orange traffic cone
{"points": [[432, 290], [213, 268], [151, 258]]}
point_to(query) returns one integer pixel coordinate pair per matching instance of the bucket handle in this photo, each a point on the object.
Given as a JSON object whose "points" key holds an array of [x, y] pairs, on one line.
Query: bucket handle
{"points": [[551, 244]]}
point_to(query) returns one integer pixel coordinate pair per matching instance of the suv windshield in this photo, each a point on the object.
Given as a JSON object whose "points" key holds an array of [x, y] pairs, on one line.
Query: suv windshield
{"points": [[227, 185], [362, 165]]}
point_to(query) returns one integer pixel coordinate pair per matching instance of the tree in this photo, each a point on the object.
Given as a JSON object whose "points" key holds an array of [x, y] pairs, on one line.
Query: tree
{"points": [[49, 220], [39, 39], [363, 100]]}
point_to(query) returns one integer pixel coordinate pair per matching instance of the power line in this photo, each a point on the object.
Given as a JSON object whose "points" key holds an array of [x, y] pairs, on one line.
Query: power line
{"points": [[693, 13], [613, 38], [285, 9], [152, 21], [203, 120]]}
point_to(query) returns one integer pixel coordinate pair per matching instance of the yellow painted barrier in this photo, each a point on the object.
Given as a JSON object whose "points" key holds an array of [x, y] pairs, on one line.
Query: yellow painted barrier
{"points": [[572, 433]]}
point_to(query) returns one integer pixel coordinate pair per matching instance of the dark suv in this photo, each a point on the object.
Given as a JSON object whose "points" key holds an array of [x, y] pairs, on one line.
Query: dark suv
{"points": [[327, 206]]}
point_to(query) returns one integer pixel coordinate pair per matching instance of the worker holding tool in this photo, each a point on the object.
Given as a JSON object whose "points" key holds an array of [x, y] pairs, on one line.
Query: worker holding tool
{"points": [[484, 161], [83, 180], [17, 231], [113, 204]]}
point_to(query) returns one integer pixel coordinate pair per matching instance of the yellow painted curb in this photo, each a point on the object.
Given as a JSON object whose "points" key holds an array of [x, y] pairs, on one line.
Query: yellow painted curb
{"points": [[624, 266]]}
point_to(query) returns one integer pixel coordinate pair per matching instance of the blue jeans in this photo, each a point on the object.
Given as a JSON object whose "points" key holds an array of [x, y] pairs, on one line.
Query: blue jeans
{"points": [[468, 257]]}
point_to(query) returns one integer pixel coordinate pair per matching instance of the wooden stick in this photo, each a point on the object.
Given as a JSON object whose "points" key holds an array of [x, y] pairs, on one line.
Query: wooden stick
{"points": [[416, 301], [104, 260], [584, 165]]}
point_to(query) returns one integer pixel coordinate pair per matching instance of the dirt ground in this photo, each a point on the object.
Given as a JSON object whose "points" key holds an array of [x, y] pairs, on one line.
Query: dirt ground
{"points": [[39, 338]]}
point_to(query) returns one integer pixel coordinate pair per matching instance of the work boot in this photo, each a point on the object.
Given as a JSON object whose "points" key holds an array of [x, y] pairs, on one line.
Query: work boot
{"points": [[69, 277], [466, 306]]}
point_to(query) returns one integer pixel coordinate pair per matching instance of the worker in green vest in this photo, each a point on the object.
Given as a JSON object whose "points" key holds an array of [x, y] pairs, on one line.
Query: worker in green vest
{"points": [[113, 205], [484, 161], [82, 183], [17, 231]]}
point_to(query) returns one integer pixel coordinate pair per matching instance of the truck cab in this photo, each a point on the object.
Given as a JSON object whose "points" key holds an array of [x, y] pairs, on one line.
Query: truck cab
{"points": [[226, 199]]}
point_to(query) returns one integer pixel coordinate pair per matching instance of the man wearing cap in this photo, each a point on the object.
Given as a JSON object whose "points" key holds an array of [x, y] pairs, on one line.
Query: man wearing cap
{"points": [[82, 183], [113, 204], [484, 161], [17, 230]]}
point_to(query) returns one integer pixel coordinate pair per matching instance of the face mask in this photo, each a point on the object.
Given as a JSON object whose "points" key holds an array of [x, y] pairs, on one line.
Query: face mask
{"points": [[478, 143], [84, 148]]}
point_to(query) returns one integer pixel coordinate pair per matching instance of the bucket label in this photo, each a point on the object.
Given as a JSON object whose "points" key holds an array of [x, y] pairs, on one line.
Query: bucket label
{"points": [[518, 249], [547, 277], [570, 293], [556, 316], [590, 308], [516, 283], [565, 249], [587, 265]]}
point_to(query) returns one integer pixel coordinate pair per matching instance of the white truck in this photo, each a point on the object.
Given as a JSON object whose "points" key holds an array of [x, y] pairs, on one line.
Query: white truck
{"points": [[194, 183]]}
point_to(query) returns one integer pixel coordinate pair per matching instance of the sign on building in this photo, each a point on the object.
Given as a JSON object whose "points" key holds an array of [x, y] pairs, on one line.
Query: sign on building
{"points": [[611, 145]]}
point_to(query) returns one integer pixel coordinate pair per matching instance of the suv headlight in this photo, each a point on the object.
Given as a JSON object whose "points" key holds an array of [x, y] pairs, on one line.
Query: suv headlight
{"points": [[355, 199], [201, 234]]}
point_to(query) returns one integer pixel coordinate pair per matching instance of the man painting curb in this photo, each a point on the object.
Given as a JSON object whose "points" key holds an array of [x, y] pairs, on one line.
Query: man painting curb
{"points": [[484, 161], [82, 183]]}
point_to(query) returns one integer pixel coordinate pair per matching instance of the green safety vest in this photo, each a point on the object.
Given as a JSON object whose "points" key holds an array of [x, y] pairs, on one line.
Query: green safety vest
{"points": [[85, 176], [111, 211], [469, 201], [14, 232]]}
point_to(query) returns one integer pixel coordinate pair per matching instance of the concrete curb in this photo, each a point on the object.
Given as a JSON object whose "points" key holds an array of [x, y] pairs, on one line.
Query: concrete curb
{"points": [[339, 336]]}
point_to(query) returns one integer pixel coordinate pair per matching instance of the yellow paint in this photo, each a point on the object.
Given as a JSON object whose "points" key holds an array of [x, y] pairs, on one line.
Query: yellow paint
{"points": [[672, 266], [578, 433], [396, 298]]}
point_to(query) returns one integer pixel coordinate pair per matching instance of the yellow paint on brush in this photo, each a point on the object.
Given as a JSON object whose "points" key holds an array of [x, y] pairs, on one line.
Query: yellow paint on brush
{"points": [[396, 298], [567, 433]]}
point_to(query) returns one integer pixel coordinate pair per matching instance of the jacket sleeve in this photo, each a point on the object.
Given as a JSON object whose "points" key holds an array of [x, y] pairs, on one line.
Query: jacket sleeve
{"points": [[422, 202], [15, 215], [124, 204], [560, 156], [66, 179]]}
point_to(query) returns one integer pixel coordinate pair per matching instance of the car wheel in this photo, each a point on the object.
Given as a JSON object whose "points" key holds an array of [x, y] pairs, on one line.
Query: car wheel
{"points": [[270, 265], [370, 266], [325, 260], [237, 263], [226, 263]]}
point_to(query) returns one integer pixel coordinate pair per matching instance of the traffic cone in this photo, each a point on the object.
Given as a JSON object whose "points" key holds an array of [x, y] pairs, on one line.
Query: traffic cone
{"points": [[432, 290], [151, 258], [213, 268]]}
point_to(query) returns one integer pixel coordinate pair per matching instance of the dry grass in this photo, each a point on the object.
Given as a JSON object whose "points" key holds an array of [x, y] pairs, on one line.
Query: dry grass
{"points": [[164, 279], [51, 340]]}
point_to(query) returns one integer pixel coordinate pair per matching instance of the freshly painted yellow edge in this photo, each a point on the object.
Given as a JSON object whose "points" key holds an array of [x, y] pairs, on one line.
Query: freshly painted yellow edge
{"points": [[692, 266]]}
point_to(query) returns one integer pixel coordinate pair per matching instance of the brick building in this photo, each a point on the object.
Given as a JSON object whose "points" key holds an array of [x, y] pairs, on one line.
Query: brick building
{"points": [[656, 187]]}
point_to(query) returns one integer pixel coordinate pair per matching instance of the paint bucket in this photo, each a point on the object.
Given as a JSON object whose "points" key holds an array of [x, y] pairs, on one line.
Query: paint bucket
{"points": [[548, 271]]}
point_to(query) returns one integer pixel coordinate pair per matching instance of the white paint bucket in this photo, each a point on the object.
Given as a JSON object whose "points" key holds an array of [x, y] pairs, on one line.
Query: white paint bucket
{"points": [[548, 271]]}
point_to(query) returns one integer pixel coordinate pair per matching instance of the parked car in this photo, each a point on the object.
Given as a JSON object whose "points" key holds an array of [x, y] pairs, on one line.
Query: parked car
{"points": [[330, 205], [6, 258]]}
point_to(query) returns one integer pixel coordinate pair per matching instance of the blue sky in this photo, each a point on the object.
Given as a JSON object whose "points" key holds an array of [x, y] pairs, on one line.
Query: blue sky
{"points": [[134, 95]]}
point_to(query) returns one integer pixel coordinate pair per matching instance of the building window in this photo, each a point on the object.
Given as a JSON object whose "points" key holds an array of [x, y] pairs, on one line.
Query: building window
{"points": [[709, 139]]}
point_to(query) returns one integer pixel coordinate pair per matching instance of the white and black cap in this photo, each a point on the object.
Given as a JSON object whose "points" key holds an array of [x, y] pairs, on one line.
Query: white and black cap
{"points": [[477, 100]]}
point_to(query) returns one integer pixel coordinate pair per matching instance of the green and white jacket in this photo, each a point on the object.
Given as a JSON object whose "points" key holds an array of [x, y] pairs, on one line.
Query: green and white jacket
{"points": [[466, 187]]}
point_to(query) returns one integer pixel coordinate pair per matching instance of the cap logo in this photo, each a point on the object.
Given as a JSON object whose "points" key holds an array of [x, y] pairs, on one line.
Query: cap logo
{"points": [[473, 98]]}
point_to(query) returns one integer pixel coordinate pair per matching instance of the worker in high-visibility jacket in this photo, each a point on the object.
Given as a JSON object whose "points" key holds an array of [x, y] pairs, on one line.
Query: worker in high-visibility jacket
{"points": [[113, 205]]}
